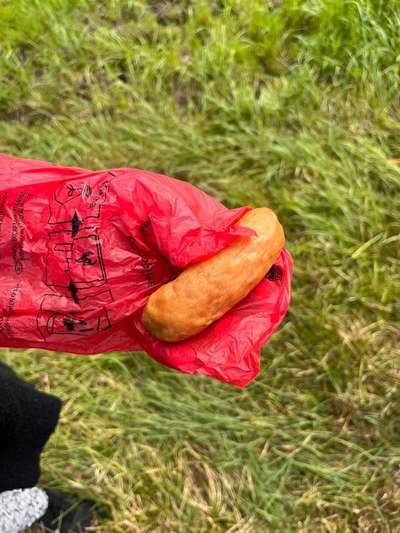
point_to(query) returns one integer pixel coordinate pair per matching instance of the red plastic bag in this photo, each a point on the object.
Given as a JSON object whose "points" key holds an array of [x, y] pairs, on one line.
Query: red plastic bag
{"points": [[81, 251]]}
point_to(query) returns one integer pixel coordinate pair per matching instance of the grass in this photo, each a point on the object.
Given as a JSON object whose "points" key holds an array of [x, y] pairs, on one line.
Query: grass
{"points": [[292, 104]]}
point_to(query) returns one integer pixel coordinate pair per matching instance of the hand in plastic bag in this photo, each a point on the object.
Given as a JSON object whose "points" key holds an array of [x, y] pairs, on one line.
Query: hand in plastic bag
{"points": [[81, 251]]}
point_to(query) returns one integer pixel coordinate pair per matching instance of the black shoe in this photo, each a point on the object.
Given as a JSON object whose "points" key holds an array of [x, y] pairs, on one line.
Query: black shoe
{"points": [[64, 516]]}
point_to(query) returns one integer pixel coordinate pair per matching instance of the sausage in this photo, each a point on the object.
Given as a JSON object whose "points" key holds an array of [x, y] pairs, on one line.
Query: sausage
{"points": [[205, 291]]}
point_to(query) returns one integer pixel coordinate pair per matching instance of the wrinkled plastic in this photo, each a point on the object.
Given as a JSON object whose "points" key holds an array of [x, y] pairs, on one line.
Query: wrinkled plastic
{"points": [[81, 251]]}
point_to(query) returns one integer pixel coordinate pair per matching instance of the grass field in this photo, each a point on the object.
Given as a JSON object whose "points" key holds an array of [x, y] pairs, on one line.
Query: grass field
{"points": [[293, 104]]}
